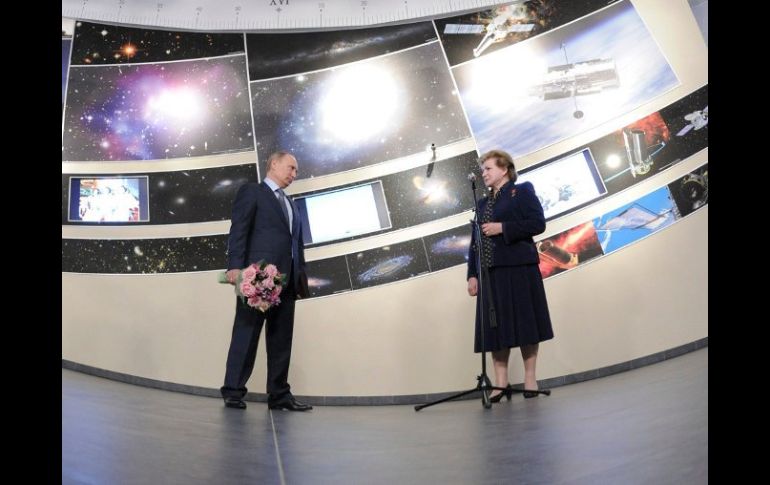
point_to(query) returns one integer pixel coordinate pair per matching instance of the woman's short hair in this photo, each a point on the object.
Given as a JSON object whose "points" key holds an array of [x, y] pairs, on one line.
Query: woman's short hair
{"points": [[502, 160]]}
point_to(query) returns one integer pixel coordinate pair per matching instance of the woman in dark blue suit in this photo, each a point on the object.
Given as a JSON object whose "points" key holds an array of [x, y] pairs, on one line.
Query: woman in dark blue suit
{"points": [[510, 216]]}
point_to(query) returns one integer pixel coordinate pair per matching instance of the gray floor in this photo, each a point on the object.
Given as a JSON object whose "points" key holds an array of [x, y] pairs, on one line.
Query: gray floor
{"points": [[648, 425]]}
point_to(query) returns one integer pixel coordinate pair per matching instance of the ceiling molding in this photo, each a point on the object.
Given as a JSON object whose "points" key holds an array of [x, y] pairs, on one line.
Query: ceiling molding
{"points": [[265, 15]]}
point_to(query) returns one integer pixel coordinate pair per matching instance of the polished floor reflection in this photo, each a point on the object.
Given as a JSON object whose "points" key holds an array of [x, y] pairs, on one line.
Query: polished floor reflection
{"points": [[648, 425]]}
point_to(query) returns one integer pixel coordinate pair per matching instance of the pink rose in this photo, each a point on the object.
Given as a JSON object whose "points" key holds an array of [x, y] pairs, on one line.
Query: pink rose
{"points": [[248, 290], [249, 273], [271, 271]]}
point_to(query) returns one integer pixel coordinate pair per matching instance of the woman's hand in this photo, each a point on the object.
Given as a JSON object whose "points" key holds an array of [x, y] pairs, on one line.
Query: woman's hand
{"points": [[473, 286], [492, 228]]}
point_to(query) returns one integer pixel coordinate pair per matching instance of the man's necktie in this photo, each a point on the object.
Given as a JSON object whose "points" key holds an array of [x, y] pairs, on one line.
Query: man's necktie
{"points": [[282, 201]]}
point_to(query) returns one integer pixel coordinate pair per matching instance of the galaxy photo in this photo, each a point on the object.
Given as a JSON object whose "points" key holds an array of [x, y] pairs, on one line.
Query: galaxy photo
{"points": [[157, 111], [635, 221], [691, 192], [188, 196], [449, 248], [359, 114], [169, 255], [110, 44], [533, 94], [415, 198], [65, 64], [387, 264], [276, 55], [328, 276], [472, 35], [568, 249]]}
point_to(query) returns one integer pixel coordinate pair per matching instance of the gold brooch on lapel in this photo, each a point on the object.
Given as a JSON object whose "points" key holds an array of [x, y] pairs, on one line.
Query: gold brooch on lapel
{"points": [[513, 192]]}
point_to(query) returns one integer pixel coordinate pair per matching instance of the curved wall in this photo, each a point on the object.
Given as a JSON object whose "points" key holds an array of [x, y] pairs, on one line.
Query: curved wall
{"points": [[415, 336]]}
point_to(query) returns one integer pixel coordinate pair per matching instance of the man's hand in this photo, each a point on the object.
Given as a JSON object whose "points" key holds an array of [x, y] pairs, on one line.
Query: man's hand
{"points": [[473, 286], [232, 275]]}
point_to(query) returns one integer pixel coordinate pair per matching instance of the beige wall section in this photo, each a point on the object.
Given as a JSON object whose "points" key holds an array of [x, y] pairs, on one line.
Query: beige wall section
{"points": [[409, 337], [416, 336]]}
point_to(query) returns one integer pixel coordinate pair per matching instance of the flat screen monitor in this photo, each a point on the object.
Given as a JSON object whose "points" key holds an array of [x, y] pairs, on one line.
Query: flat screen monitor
{"points": [[564, 184], [109, 199], [343, 213]]}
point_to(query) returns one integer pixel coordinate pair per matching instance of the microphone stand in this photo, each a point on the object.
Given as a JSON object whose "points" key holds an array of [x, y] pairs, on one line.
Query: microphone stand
{"points": [[483, 383]]}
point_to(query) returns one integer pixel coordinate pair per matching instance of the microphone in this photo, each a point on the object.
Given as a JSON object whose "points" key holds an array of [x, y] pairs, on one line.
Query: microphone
{"points": [[472, 178], [432, 161]]}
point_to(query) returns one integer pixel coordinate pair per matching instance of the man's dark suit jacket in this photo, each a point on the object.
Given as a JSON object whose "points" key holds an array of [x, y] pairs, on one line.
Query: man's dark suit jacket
{"points": [[519, 209], [259, 231]]}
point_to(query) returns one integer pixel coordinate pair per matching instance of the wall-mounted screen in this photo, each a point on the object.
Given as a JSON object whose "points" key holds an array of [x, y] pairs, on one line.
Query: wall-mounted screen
{"points": [[109, 199], [566, 183], [343, 213]]}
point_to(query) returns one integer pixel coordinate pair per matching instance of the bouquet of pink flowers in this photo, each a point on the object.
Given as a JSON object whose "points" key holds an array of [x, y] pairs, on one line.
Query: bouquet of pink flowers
{"points": [[259, 285]]}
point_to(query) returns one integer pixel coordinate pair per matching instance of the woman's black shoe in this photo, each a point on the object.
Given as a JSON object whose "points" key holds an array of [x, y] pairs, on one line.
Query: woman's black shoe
{"points": [[506, 392], [529, 394]]}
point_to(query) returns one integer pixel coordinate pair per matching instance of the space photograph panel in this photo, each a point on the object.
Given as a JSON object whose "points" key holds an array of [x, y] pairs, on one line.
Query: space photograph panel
{"points": [[691, 192], [568, 249], [565, 183], [449, 248], [185, 196], [110, 44], [634, 221], [283, 54], [106, 199], [533, 94], [653, 143], [387, 264], [157, 111], [126, 256], [688, 121], [427, 193], [328, 276], [419, 195], [475, 34], [359, 114]]}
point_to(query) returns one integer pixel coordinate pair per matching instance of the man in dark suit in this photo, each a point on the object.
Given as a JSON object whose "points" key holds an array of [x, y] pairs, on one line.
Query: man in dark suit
{"points": [[265, 226]]}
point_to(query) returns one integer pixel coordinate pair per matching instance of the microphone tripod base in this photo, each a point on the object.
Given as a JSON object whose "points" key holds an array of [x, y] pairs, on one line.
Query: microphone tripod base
{"points": [[483, 384]]}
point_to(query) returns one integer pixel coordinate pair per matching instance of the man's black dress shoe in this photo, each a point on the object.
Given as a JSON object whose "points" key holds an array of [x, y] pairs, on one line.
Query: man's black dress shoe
{"points": [[290, 404], [234, 402]]}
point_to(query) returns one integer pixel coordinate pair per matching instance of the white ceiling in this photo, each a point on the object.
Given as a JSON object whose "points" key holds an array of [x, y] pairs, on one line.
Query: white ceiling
{"points": [[264, 15]]}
